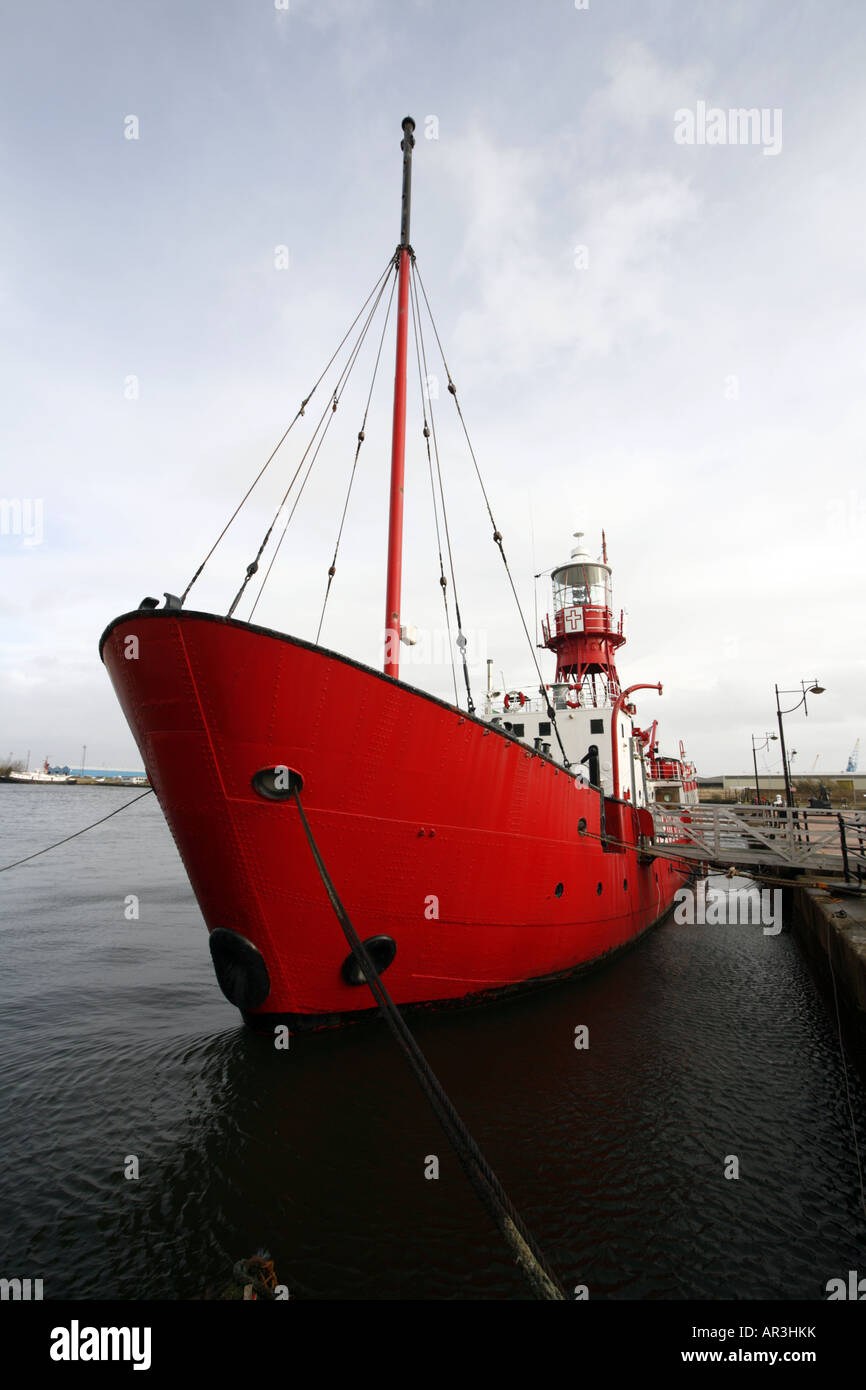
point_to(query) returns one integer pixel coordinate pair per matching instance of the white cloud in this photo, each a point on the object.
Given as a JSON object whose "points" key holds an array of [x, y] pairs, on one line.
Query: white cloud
{"points": [[529, 299], [642, 90]]}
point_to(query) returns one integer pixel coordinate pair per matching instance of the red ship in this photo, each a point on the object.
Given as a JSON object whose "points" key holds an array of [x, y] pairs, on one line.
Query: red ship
{"points": [[475, 854]]}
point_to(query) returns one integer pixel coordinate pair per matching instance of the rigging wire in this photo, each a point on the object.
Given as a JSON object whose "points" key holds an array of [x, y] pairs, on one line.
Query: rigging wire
{"points": [[461, 640], [304, 403], [534, 580], [361, 436], [328, 413], [497, 534], [253, 566], [443, 582]]}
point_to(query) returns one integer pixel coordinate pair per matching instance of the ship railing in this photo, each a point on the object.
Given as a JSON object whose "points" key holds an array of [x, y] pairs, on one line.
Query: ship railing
{"points": [[532, 704], [562, 701], [667, 827], [658, 773]]}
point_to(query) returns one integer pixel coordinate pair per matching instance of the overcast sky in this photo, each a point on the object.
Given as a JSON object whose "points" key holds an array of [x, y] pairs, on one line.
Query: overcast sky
{"points": [[661, 338]]}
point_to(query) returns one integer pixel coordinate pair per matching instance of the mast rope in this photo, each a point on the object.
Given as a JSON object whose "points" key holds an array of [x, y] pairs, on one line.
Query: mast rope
{"points": [[76, 833], [461, 639], [361, 437], [526, 1252], [327, 415], [497, 534], [304, 403], [443, 582]]}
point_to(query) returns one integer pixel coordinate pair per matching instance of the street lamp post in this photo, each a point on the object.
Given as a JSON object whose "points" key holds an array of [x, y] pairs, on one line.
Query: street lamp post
{"points": [[813, 689], [756, 749]]}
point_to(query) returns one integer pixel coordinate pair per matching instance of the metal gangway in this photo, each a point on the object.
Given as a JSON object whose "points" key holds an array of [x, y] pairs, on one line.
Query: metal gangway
{"points": [[799, 839]]}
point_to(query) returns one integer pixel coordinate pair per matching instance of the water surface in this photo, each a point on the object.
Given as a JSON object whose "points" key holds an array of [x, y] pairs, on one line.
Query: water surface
{"points": [[705, 1042]]}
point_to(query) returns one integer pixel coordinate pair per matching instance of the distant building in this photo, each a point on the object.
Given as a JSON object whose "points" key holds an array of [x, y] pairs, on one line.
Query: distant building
{"points": [[847, 790]]}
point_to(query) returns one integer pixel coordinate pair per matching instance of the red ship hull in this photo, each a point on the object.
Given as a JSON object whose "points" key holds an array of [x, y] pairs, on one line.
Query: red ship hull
{"points": [[480, 858]]}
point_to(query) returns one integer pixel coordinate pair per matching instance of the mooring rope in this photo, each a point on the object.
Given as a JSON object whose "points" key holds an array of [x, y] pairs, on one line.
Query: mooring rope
{"points": [[526, 1252], [76, 833]]}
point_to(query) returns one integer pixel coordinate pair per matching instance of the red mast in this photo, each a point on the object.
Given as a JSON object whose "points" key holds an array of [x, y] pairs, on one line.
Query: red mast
{"points": [[398, 437]]}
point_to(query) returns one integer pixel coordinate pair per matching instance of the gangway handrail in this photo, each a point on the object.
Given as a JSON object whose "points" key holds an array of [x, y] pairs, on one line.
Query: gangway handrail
{"points": [[791, 837]]}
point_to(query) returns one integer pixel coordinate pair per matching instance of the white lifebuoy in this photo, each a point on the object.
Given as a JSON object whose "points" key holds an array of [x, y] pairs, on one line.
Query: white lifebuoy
{"points": [[515, 695]]}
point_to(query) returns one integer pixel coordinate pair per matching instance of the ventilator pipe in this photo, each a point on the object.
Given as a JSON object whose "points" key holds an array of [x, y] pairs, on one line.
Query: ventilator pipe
{"points": [[618, 704]]}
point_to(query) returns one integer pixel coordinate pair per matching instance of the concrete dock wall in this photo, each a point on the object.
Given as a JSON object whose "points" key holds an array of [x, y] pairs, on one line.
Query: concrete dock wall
{"points": [[831, 927]]}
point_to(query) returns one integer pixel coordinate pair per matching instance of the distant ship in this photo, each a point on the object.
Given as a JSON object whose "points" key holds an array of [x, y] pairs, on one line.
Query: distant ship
{"points": [[476, 854], [87, 775], [47, 774]]}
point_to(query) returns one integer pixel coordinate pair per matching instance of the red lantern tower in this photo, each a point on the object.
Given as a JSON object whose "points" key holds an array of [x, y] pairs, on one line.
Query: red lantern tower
{"points": [[583, 631]]}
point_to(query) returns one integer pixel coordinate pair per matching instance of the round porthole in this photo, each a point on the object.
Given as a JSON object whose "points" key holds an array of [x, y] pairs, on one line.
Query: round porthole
{"points": [[380, 949], [277, 783], [559, 890], [598, 889], [581, 826]]}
